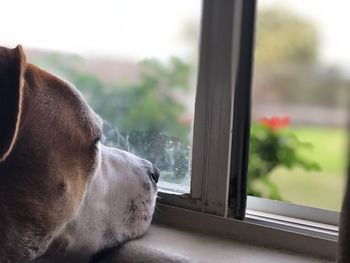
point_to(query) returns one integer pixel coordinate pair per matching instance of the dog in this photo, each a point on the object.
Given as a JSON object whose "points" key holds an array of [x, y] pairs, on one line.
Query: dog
{"points": [[63, 194]]}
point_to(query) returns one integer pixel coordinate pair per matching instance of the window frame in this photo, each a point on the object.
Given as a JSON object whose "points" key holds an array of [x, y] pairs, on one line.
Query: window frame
{"points": [[213, 111], [218, 182], [301, 212]]}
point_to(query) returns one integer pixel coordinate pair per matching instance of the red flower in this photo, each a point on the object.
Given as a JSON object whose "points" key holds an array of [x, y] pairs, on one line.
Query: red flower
{"points": [[275, 123]]}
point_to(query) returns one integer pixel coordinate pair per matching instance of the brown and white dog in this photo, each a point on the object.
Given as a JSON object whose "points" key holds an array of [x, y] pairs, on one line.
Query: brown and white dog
{"points": [[62, 193]]}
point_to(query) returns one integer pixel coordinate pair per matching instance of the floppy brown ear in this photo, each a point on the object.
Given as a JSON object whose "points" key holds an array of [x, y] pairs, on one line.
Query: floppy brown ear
{"points": [[12, 66]]}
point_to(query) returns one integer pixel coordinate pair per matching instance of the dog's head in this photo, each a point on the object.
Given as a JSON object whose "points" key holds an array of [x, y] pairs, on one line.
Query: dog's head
{"points": [[59, 187]]}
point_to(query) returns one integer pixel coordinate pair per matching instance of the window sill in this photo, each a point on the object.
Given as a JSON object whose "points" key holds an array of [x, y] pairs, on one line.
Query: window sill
{"points": [[170, 245], [249, 232], [306, 227]]}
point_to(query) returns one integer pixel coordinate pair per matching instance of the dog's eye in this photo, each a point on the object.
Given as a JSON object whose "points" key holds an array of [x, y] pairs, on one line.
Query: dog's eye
{"points": [[96, 141]]}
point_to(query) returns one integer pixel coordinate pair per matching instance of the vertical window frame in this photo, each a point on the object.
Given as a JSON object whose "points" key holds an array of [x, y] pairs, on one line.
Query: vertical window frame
{"points": [[218, 78]]}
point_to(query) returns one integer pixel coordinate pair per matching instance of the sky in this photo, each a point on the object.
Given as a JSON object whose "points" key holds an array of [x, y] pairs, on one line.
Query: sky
{"points": [[132, 28], [137, 29]]}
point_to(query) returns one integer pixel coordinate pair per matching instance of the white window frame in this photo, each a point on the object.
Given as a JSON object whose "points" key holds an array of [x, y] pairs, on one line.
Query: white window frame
{"points": [[213, 112], [218, 64]]}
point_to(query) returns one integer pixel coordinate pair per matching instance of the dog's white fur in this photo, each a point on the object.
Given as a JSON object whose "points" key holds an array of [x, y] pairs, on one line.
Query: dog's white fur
{"points": [[118, 205]]}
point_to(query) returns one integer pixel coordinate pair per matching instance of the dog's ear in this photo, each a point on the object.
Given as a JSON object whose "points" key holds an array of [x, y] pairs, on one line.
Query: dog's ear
{"points": [[12, 67]]}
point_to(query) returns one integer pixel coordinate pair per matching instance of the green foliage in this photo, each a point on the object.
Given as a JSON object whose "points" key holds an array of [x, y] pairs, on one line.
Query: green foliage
{"points": [[143, 116], [147, 105], [151, 105], [270, 149], [322, 189]]}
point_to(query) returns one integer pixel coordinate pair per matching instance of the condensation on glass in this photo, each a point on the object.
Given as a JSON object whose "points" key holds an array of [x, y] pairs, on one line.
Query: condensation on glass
{"points": [[134, 61], [301, 91]]}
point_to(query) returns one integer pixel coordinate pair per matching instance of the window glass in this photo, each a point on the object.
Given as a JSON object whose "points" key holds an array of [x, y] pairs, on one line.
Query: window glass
{"points": [[301, 90], [134, 61]]}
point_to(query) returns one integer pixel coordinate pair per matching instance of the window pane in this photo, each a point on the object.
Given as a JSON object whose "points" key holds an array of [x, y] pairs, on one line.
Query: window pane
{"points": [[135, 62], [301, 91]]}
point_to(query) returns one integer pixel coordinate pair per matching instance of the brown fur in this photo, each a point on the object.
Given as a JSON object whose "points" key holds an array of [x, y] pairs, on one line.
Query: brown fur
{"points": [[43, 171]]}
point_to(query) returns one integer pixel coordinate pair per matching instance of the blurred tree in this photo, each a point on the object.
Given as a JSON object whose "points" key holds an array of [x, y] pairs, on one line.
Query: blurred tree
{"points": [[282, 36], [287, 67], [144, 116]]}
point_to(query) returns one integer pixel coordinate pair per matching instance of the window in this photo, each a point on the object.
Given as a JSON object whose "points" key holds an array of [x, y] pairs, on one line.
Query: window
{"points": [[134, 61], [137, 65], [300, 98], [172, 80]]}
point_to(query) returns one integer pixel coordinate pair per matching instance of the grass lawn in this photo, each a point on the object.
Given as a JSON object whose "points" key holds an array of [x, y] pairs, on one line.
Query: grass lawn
{"points": [[322, 189]]}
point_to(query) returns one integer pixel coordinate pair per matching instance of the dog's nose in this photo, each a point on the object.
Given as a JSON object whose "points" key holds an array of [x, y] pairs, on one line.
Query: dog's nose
{"points": [[155, 173]]}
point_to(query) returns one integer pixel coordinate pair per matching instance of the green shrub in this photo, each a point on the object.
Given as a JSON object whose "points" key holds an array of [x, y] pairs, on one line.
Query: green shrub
{"points": [[273, 145]]}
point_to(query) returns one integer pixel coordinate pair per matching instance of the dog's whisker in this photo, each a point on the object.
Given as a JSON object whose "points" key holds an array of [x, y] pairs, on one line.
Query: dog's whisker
{"points": [[131, 211]]}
